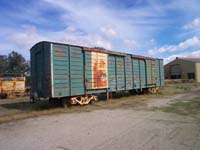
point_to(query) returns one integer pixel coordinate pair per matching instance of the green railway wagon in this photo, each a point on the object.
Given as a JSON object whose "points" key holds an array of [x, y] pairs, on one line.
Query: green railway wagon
{"points": [[76, 73]]}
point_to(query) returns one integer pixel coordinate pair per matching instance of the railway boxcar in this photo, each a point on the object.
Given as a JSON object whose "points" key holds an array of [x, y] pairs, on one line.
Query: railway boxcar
{"points": [[63, 71], [12, 86]]}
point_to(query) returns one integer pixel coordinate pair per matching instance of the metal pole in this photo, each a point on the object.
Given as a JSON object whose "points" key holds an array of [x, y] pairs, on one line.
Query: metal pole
{"points": [[107, 92]]}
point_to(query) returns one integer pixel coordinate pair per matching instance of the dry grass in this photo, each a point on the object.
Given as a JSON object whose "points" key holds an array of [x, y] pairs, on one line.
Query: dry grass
{"points": [[170, 89], [27, 110], [198, 116], [184, 108]]}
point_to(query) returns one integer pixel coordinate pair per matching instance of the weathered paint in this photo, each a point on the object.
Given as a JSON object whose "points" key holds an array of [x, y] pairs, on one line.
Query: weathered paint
{"points": [[99, 70], [120, 72], [8, 86], [12, 85], [19, 86], [128, 72], [142, 73], [112, 73], [136, 73], [158, 79], [151, 72], [162, 78], [52, 75], [76, 71], [61, 70], [88, 70]]}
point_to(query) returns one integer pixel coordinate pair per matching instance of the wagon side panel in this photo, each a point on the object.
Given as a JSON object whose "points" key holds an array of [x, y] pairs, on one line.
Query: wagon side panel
{"points": [[60, 70], [162, 78], [128, 73], [120, 73], [136, 73], [76, 71], [142, 73], [96, 72], [112, 72]]}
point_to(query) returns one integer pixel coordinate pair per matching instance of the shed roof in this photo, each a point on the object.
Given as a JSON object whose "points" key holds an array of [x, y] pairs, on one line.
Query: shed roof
{"points": [[189, 59]]}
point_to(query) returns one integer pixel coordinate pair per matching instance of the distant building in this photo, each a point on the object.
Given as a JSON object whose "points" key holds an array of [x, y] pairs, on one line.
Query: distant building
{"points": [[183, 68]]}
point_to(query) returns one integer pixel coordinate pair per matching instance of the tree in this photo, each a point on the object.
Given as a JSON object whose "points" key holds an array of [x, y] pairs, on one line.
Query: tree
{"points": [[16, 65], [3, 65]]}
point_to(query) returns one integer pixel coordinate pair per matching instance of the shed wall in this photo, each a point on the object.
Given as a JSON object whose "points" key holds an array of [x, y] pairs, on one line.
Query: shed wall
{"points": [[197, 68], [181, 67]]}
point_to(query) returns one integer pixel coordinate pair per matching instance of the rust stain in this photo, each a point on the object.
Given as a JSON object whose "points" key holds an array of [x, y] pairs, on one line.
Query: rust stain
{"points": [[60, 53], [99, 70]]}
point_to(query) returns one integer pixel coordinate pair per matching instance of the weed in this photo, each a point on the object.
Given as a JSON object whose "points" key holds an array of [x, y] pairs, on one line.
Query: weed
{"points": [[191, 107]]}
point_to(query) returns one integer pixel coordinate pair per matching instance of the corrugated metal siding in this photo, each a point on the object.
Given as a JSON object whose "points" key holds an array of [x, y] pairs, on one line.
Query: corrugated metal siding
{"points": [[112, 72], [120, 73], [76, 71], [151, 71], [68, 75], [129, 72], [99, 70], [88, 75], [60, 66], [88, 70], [162, 73], [142, 73], [136, 73], [158, 81]]}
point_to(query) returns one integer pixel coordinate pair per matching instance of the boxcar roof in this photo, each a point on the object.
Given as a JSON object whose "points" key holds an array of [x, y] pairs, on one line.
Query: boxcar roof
{"points": [[98, 49]]}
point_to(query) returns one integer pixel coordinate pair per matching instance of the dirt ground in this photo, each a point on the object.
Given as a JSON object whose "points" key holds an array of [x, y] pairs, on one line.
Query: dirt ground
{"points": [[169, 121]]}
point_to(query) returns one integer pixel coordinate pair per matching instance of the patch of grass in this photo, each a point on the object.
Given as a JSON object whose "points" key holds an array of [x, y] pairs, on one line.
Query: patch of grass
{"points": [[171, 89], [198, 115], [28, 106], [28, 110], [191, 107]]}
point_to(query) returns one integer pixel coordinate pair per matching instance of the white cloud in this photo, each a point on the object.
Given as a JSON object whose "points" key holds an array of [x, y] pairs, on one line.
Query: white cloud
{"points": [[100, 23], [85, 40], [127, 23], [109, 31], [193, 42], [25, 39], [194, 25], [194, 54]]}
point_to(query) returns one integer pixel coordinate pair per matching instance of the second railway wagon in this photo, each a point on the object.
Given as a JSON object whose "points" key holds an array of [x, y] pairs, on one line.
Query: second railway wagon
{"points": [[76, 73], [12, 86]]}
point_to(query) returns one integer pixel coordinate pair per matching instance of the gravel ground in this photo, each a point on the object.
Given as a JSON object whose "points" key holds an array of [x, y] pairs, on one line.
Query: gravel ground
{"points": [[102, 129]]}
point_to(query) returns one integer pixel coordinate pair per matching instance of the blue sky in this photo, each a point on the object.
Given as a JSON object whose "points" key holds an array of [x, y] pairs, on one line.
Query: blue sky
{"points": [[158, 28]]}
